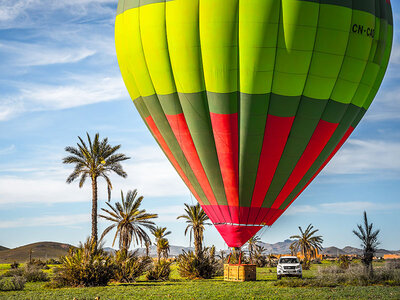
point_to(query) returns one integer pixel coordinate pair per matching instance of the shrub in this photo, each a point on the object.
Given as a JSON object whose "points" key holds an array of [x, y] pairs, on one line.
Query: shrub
{"points": [[14, 265], [34, 274], [15, 283], [52, 261], [202, 266], [37, 263], [344, 262], [393, 264], [317, 261], [160, 271], [29, 273], [355, 275], [334, 276], [13, 272], [129, 266], [87, 265]]}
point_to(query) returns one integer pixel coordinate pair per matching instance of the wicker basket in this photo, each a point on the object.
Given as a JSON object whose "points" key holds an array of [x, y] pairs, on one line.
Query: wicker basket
{"points": [[239, 272]]}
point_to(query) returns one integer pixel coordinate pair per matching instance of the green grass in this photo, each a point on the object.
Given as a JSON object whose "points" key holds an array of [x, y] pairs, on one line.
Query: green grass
{"points": [[179, 288]]}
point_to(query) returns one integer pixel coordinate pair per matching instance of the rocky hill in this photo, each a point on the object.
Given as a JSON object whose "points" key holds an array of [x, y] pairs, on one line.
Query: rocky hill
{"points": [[41, 250]]}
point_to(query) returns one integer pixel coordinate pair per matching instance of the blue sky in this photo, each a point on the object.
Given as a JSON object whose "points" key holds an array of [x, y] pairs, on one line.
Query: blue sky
{"points": [[59, 78]]}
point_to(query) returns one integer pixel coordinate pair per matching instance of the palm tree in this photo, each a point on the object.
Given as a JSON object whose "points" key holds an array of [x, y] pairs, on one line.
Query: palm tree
{"points": [[163, 245], [98, 160], [129, 220], [369, 242], [292, 250], [308, 243], [196, 219], [252, 245], [147, 245], [160, 233], [270, 260]]}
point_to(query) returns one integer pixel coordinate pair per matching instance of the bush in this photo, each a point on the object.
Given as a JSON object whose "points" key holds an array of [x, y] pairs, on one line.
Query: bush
{"points": [[355, 275], [14, 265], [29, 273], [393, 264], [129, 266], [204, 266], [15, 283], [35, 274], [87, 265], [37, 263], [52, 261], [13, 272], [160, 271], [344, 262], [317, 261]]}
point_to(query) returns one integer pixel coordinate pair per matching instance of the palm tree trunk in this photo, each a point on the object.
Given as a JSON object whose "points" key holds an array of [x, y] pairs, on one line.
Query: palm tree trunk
{"points": [[94, 209], [197, 242]]}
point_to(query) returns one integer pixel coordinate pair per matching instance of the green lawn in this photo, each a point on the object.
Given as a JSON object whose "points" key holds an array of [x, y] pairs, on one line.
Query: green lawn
{"points": [[216, 288]]}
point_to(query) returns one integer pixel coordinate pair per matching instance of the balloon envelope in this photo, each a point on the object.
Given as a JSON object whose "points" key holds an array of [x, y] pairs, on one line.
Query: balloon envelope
{"points": [[249, 100]]}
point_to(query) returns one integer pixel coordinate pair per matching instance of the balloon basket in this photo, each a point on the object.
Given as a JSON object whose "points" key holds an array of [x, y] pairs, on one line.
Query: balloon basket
{"points": [[239, 272]]}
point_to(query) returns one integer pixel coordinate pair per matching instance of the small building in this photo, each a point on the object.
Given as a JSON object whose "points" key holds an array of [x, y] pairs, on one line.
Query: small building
{"points": [[391, 256]]}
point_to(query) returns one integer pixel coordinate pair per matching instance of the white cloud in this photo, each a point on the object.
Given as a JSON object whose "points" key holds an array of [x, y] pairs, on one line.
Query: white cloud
{"points": [[342, 208], [149, 171], [39, 56], [366, 157], [85, 91], [37, 189], [24, 13], [386, 106], [79, 92], [10, 108], [7, 150], [62, 220]]}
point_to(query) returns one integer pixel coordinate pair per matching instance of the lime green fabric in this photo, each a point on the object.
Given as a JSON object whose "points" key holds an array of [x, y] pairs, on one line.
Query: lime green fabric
{"points": [[308, 59]]}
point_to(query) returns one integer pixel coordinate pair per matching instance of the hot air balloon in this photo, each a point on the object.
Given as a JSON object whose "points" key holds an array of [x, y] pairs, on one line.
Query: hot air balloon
{"points": [[250, 99]]}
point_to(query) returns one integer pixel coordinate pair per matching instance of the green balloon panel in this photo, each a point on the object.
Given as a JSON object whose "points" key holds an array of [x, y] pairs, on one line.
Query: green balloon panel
{"points": [[250, 99]]}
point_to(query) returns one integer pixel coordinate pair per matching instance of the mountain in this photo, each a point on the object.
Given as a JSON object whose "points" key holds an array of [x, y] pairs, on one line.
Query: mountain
{"points": [[3, 248], [277, 248], [41, 250], [334, 251]]}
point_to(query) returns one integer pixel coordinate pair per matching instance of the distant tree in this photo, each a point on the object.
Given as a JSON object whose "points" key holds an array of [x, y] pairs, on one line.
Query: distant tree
{"points": [[292, 250], [222, 256], [159, 234], [271, 260], [308, 243], [97, 159], [344, 262], [147, 245], [259, 257], [252, 244], [163, 245], [129, 219], [369, 242], [196, 219]]}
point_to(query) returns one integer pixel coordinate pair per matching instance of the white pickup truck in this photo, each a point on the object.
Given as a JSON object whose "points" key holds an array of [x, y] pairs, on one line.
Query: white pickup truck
{"points": [[289, 266]]}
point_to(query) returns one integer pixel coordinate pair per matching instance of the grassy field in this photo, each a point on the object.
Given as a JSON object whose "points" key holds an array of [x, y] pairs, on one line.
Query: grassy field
{"points": [[179, 288]]}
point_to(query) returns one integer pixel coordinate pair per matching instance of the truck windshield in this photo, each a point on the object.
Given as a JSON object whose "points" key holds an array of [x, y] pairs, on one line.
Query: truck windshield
{"points": [[288, 260]]}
